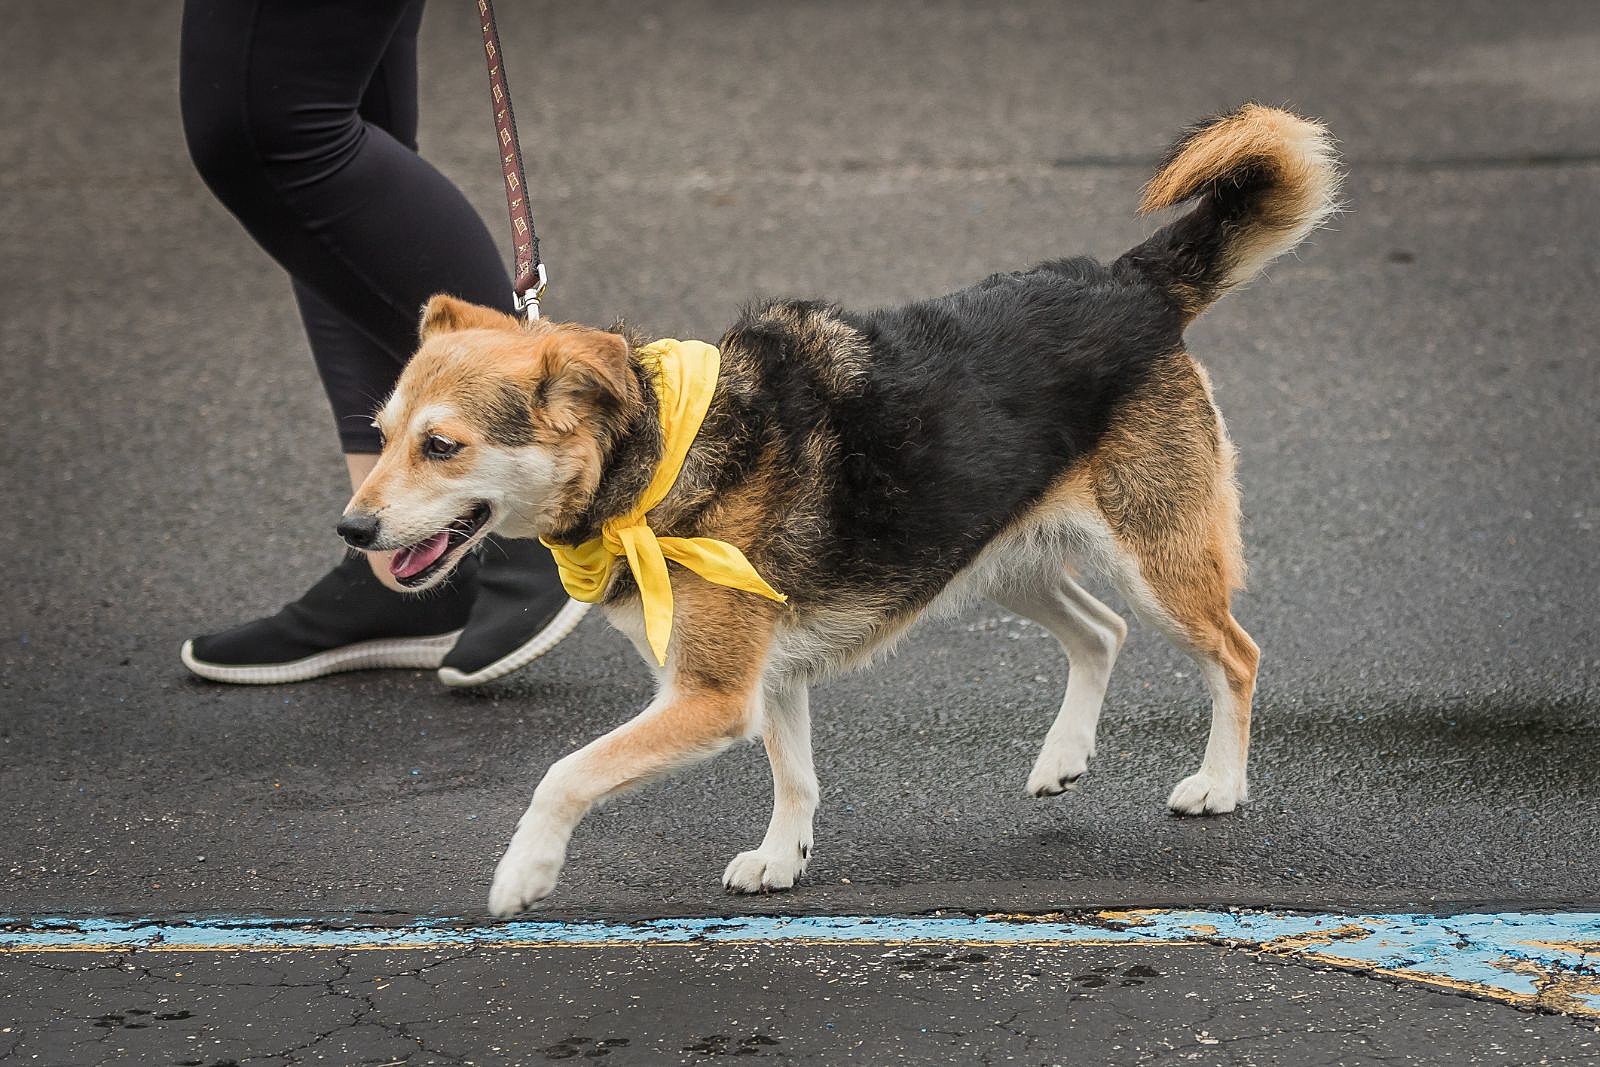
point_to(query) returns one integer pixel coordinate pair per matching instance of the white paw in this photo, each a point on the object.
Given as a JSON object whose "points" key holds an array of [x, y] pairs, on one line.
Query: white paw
{"points": [[525, 875], [1207, 793], [761, 872], [1058, 768]]}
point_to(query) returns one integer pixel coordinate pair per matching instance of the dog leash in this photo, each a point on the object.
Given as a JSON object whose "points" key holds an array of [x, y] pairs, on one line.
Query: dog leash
{"points": [[528, 288]]}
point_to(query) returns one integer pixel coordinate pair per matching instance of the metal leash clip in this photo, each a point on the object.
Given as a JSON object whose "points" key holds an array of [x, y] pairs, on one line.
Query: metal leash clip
{"points": [[528, 303]]}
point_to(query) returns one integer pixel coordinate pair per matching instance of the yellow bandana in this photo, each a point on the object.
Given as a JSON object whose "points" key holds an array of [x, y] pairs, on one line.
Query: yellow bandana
{"points": [[686, 376]]}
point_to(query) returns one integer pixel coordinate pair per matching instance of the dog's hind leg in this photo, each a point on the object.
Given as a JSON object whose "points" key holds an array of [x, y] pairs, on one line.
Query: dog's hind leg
{"points": [[1092, 635], [1164, 483], [709, 698], [1190, 605], [782, 855]]}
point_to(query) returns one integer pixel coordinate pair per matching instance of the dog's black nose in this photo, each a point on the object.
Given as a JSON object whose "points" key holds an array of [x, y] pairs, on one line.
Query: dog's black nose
{"points": [[358, 528]]}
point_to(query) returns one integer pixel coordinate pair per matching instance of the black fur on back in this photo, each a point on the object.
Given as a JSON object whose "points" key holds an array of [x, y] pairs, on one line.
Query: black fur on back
{"points": [[898, 442]]}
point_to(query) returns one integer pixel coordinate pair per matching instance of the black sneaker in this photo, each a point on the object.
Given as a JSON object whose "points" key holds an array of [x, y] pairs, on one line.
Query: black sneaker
{"points": [[521, 613], [348, 621]]}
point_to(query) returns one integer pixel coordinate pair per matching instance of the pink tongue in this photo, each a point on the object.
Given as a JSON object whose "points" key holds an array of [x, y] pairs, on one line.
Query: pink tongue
{"points": [[419, 557]]}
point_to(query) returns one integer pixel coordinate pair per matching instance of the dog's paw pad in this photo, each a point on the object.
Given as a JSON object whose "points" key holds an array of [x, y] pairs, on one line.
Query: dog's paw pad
{"points": [[758, 872], [1206, 794]]}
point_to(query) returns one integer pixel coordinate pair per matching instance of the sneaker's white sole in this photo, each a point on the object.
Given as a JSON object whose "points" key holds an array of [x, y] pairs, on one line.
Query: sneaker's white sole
{"points": [[412, 653], [555, 630]]}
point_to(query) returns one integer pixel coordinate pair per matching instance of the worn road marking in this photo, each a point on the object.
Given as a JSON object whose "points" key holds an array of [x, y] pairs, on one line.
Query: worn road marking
{"points": [[1549, 961]]}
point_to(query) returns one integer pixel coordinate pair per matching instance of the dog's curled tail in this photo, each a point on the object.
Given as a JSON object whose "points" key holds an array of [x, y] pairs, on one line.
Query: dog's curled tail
{"points": [[1263, 179]]}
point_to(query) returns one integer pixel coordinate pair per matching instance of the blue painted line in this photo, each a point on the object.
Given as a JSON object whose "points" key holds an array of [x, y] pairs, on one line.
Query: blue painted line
{"points": [[245, 933], [1541, 960]]}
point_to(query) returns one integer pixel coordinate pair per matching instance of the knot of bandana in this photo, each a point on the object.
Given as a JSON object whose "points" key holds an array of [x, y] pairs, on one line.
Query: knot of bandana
{"points": [[686, 378]]}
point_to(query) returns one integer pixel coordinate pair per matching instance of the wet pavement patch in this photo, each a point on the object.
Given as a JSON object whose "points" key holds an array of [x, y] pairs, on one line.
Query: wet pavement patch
{"points": [[723, 1045], [587, 1047]]}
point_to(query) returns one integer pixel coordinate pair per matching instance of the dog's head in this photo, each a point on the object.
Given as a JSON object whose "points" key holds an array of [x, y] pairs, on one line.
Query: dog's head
{"points": [[496, 426]]}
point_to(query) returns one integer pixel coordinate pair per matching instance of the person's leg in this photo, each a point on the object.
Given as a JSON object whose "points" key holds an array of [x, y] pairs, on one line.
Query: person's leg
{"points": [[272, 93], [244, 103], [302, 119], [357, 372]]}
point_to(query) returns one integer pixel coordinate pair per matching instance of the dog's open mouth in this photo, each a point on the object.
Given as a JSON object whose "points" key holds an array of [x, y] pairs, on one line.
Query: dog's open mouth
{"points": [[414, 565]]}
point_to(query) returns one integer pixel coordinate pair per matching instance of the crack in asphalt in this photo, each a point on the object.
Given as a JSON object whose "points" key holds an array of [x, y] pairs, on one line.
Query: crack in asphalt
{"points": [[366, 1010]]}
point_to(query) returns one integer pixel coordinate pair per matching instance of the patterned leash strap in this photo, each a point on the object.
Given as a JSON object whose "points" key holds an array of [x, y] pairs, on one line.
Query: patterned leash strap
{"points": [[530, 277]]}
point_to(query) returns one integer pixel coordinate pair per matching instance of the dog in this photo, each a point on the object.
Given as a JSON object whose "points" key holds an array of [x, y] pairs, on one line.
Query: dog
{"points": [[874, 467]]}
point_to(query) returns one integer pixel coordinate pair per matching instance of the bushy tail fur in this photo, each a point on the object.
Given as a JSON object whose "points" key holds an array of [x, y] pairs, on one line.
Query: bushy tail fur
{"points": [[1263, 179]]}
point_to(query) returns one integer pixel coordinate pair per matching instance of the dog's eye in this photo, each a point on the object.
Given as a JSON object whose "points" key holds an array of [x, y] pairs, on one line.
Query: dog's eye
{"points": [[436, 447]]}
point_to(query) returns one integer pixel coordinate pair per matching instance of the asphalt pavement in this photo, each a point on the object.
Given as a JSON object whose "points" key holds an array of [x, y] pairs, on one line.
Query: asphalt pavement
{"points": [[764, 1003], [1414, 397]]}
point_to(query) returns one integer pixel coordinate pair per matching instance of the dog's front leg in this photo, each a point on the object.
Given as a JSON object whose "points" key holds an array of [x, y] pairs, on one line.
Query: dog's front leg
{"points": [[708, 699], [679, 727], [781, 858]]}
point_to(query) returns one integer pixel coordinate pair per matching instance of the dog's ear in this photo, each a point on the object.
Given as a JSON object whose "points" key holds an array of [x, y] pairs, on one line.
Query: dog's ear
{"points": [[446, 314], [586, 367], [592, 363]]}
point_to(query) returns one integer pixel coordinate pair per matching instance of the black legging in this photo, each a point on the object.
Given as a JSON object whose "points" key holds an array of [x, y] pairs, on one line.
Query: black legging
{"points": [[301, 116]]}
